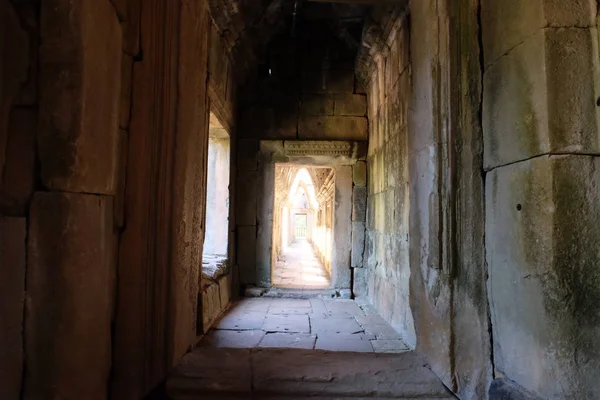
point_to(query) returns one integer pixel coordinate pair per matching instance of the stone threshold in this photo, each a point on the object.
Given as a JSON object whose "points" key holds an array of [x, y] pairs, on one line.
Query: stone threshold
{"points": [[285, 293]]}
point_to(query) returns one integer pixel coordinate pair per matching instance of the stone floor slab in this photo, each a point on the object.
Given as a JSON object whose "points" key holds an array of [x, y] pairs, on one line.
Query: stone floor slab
{"points": [[249, 321], [289, 340], [286, 324], [389, 346], [331, 343], [232, 339], [332, 325], [343, 308], [206, 371], [290, 303]]}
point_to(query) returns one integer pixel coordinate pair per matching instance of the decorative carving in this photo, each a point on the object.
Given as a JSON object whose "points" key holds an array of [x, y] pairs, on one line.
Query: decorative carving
{"points": [[320, 148]]}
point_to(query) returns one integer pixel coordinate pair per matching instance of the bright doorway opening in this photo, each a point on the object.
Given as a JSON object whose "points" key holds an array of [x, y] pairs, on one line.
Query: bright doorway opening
{"points": [[303, 227], [216, 239]]}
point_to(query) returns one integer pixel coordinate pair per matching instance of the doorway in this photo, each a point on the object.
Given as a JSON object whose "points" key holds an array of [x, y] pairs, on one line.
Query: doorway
{"points": [[303, 227]]}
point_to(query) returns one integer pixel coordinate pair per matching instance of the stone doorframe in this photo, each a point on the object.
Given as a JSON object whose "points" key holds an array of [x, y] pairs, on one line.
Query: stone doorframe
{"points": [[339, 155]]}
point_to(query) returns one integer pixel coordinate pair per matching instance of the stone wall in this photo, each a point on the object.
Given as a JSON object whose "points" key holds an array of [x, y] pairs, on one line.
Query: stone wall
{"points": [[425, 208], [19, 104], [386, 266], [540, 125]]}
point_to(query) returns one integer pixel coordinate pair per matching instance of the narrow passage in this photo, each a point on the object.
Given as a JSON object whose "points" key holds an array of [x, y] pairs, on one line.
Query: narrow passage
{"points": [[299, 267]]}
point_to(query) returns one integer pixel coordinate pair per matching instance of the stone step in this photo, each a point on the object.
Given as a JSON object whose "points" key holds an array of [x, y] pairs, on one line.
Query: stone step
{"points": [[213, 373]]}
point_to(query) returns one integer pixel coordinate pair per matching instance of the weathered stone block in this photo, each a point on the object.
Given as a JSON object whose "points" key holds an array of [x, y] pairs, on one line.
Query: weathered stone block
{"points": [[351, 104], [268, 123], [544, 282], [328, 81], [211, 305], [360, 282], [13, 233], [80, 90], [247, 154], [506, 24], [359, 203], [246, 254], [358, 244], [359, 173], [337, 128], [225, 293], [14, 53], [316, 105], [126, 87], [540, 98], [246, 208], [18, 181], [69, 296]]}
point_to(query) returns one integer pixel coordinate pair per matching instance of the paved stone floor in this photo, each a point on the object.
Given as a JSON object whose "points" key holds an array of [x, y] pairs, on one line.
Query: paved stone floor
{"points": [[294, 374], [334, 325], [300, 268]]}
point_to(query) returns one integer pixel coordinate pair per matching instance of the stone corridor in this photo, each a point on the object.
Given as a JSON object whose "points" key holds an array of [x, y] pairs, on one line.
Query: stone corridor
{"points": [[299, 267], [335, 325]]}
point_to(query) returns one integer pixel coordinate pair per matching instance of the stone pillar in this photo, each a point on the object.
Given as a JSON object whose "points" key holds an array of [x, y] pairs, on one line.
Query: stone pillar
{"points": [[342, 233], [541, 134]]}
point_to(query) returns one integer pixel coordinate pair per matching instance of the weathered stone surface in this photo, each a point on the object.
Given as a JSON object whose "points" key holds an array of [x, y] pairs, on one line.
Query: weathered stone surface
{"points": [[328, 81], [541, 241], [246, 253], [211, 305], [507, 24], [351, 104], [287, 324], [125, 95], [80, 90], [360, 282], [232, 339], [540, 98], [70, 271], [269, 123], [289, 340], [504, 389], [358, 244], [343, 308], [342, 240], [14, 53], [246, 210], [359, 173], [13, 232], [389, 346], [332, 128], [316, 105], [229, 373], [347, 345], [247, 154], [225, 292], [359, 204], [18, 179]]}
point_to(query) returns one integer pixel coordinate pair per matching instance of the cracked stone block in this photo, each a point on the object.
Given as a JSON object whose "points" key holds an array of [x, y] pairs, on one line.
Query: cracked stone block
{"points": [[506, 24], [232, 339], [289, 340], [351, 105], [343, 308], [332, 128], [325, 325], [541, 98], [542, 243], [389, 346], [286, 324], [335, 344], [241, 320]]}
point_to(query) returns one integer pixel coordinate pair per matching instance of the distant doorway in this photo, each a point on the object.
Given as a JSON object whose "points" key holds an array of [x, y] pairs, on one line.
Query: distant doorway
{"points": [[303, 227]]}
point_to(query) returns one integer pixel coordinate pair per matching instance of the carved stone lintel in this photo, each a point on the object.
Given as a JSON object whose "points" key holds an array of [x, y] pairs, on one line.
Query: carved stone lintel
{"points": [[319, 148]]}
